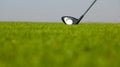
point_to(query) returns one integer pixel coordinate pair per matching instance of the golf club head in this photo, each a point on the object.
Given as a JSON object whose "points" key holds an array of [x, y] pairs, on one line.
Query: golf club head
{"points": [[69, 20]]}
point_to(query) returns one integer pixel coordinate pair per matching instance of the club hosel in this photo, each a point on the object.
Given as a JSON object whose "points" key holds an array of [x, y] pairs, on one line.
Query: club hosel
{"points": [[80, 19]]}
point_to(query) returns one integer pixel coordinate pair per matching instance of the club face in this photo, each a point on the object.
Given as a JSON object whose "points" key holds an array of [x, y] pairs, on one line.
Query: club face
{"points": [[69, 20]]}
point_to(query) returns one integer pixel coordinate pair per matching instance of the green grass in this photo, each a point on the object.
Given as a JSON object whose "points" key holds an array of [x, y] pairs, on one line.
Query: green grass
{"points": [[58, 45]]}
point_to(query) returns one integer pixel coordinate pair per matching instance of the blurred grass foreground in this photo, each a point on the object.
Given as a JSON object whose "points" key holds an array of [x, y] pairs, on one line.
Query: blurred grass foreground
{"points": [[58, 45]]}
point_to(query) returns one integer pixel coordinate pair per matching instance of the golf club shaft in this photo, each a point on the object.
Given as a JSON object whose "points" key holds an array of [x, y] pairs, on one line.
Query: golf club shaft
{"points": [[86, 12], [89, 7]]}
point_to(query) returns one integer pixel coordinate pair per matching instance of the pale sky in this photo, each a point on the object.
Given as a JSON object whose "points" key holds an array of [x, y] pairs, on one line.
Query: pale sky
{"points": [[53, 10]]}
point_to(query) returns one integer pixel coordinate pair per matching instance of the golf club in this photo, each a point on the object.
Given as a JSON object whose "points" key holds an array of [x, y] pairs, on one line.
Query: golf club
{"points": [[71, 20]]}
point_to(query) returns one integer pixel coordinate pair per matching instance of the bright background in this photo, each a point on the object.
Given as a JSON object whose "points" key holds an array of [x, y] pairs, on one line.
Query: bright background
{"points": [[52, 10]]}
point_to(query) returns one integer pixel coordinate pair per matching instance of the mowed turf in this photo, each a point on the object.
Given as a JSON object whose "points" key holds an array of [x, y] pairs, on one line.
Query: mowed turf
{"points": [[28, 44]]}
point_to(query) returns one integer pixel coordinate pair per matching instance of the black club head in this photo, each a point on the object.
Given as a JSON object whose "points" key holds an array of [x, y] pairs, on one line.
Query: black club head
{"points": [[69, 20]]}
